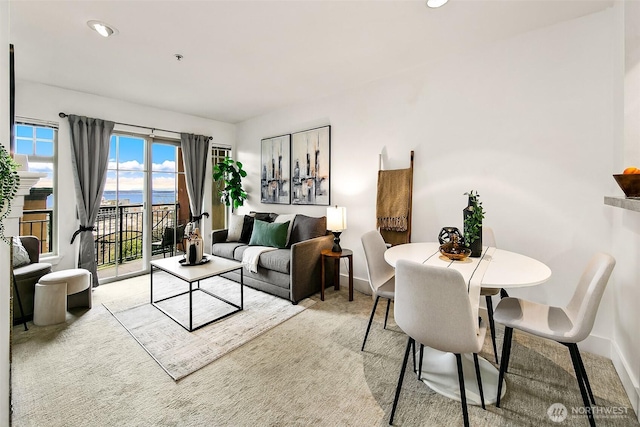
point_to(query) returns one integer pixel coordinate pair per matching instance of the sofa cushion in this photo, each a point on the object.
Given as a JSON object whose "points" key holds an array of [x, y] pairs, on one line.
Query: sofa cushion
{"points": [[278, 260], [284, 218], [307, 227], [265, 216], [20, 254], [235, 228], [247, 229], [225, 250], [269, 234], [32, 271]]}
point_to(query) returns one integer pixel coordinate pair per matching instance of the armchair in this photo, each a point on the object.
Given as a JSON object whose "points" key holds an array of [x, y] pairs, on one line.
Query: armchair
{"points": [[25, 279]]}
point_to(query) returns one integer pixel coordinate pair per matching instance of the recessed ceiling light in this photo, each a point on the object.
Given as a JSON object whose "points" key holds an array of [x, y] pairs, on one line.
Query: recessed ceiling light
{"points": [[105, 30], [435, 3]]}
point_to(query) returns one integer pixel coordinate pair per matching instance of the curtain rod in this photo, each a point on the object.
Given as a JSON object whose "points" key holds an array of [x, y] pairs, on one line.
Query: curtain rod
{"points": [[63, 115]]}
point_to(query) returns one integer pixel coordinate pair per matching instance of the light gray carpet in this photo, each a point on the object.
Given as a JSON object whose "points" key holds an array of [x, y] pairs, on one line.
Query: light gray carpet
{"points": [[180, 352], [306, 371]]}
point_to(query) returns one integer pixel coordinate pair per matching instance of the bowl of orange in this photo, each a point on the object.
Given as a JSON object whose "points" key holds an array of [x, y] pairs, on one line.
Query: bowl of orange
{"points": [[629, 182]]}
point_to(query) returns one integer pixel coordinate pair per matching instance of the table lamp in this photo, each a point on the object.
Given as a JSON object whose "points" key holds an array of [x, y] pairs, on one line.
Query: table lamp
{"points": [[336, 222]]}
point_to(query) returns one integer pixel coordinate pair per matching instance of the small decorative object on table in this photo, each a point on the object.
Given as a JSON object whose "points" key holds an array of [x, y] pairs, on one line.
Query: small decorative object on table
{"points": [[473, 215], [447, 233], [194, 248], [454, 249], [337, 223]]}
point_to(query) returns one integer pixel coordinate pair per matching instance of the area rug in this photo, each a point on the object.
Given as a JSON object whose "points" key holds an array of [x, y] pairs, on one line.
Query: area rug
{"points": [[180, 352]]}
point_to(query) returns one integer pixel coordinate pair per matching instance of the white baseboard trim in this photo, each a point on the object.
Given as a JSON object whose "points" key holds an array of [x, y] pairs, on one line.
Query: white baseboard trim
{"points": [[596, 345], [629, 383]]}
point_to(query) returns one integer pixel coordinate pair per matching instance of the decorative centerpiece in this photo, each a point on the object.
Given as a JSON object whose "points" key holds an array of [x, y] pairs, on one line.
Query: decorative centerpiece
{"points": [[473, 215], [447, 233], [194, 249], [454, 249]]}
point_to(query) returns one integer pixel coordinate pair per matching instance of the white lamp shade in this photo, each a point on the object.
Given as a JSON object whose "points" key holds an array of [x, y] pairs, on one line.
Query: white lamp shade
{"points": [[336, 218]]}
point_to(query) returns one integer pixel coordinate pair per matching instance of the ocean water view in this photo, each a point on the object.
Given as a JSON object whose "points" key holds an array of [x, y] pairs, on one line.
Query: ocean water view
{"points": [[135, 197]]}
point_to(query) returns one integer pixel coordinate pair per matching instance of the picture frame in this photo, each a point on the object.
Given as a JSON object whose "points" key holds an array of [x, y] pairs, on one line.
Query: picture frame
{"points": [[311, 167], [275, 167]]}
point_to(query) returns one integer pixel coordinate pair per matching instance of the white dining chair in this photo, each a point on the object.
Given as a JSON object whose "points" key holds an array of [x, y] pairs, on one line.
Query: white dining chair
{"points": [[432, 307], [381, 274], [567, 325]]}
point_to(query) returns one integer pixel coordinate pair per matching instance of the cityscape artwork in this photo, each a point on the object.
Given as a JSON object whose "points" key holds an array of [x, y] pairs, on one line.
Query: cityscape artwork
{"points": [[310, 166], [276, 170]]}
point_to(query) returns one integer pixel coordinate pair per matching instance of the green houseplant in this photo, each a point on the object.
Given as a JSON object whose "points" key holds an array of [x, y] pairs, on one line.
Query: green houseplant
{"points": [[473, 215], [231, 173], [9, 182]]}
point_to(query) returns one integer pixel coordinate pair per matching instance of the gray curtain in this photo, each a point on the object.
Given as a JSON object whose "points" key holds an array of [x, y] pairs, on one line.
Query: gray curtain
{"points": [[89, 160], [194, 156]]}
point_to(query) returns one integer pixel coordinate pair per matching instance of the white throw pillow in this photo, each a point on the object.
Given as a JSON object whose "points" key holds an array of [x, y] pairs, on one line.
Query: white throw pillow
{"points": [[285, 218], [20, 254], [235, 228]]}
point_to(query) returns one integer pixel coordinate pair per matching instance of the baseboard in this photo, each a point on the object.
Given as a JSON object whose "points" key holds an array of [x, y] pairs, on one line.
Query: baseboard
{"points": [[596, 345], [628, 382], [359, 285]]}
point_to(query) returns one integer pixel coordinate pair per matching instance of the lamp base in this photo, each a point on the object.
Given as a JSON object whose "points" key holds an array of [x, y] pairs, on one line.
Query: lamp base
{"points": [[336, 241]]}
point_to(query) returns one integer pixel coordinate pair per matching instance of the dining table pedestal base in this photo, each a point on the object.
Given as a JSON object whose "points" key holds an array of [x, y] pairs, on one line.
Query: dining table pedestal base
{"points": [[440, 373]]}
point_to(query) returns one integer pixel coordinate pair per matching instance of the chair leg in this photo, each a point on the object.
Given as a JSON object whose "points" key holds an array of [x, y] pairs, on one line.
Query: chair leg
{"points": [[22, 316], [386, 315], [573, 350], [373, 311], [506, 353], [584, 376], [463, 394], [477, 364], [410, 343], [492, 325], [413, 353], [420, 363]]}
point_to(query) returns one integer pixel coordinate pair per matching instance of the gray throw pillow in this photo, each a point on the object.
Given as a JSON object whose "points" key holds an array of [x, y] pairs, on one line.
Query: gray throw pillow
{"points": [[20, 254], [307, 227]]}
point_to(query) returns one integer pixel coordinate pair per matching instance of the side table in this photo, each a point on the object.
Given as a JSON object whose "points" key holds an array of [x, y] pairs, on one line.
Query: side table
{"points": [[346, 253]]}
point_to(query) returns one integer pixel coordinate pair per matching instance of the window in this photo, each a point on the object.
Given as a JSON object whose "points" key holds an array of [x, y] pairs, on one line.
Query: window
{"points": [[39, 143]]}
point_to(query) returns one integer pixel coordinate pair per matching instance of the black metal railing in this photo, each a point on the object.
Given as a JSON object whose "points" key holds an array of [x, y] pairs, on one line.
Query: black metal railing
{"points": [[39, 223], [121, 243], [124, 242]]}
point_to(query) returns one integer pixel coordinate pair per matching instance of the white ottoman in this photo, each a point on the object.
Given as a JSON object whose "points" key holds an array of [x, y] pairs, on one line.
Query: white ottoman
{"points": [[52, 291]]}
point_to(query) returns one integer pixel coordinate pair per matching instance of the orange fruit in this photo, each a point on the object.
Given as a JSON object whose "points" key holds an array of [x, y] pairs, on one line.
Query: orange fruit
{"points": [[630, 170]]}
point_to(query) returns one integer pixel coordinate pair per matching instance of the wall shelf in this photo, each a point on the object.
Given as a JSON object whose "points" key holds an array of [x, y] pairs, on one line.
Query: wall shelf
{"points": [[623, 202]]}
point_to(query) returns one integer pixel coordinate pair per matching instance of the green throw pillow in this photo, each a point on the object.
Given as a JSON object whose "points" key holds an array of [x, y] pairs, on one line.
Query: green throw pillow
{"points": [[269, 234]]}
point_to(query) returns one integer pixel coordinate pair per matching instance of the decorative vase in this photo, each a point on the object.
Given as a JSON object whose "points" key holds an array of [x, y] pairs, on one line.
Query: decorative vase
{"points": [[447, 233], [476, 245]]}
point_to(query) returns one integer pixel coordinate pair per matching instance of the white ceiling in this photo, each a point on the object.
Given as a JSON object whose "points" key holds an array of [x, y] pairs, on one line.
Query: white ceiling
{"points": [[246, 58]]}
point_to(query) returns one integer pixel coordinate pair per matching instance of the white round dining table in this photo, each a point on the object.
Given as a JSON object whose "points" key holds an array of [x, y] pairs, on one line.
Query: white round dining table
{"points": [[496, 268]]}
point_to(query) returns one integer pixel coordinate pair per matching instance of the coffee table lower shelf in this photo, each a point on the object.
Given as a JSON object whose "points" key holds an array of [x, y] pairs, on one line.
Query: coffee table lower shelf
{"points": [[191, 291]]}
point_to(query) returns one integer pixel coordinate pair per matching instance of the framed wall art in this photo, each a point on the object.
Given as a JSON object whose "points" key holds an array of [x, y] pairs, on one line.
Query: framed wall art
{"points": [[276, 170], [310, 166]]}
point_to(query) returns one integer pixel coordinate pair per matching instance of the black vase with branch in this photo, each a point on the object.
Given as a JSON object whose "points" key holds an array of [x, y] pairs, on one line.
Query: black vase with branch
{"points": [[473, 215]]}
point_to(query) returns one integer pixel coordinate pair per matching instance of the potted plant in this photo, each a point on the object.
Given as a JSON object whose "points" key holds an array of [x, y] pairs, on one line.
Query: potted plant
{"points": [[473, 215], [231, 173], [9, 182]]}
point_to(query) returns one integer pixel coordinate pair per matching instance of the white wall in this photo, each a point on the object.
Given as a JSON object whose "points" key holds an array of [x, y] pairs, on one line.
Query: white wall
{"points": [[625, 225], [4, 249], [45, 102], [527, 122]]}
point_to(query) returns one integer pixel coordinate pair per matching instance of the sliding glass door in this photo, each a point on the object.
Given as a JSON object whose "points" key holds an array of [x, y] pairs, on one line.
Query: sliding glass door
{"points": [[120, 226]]}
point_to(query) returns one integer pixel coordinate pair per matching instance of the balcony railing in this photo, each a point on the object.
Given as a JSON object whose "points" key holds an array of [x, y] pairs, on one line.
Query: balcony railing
{"points": [[118, 230], [124, 242]]}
